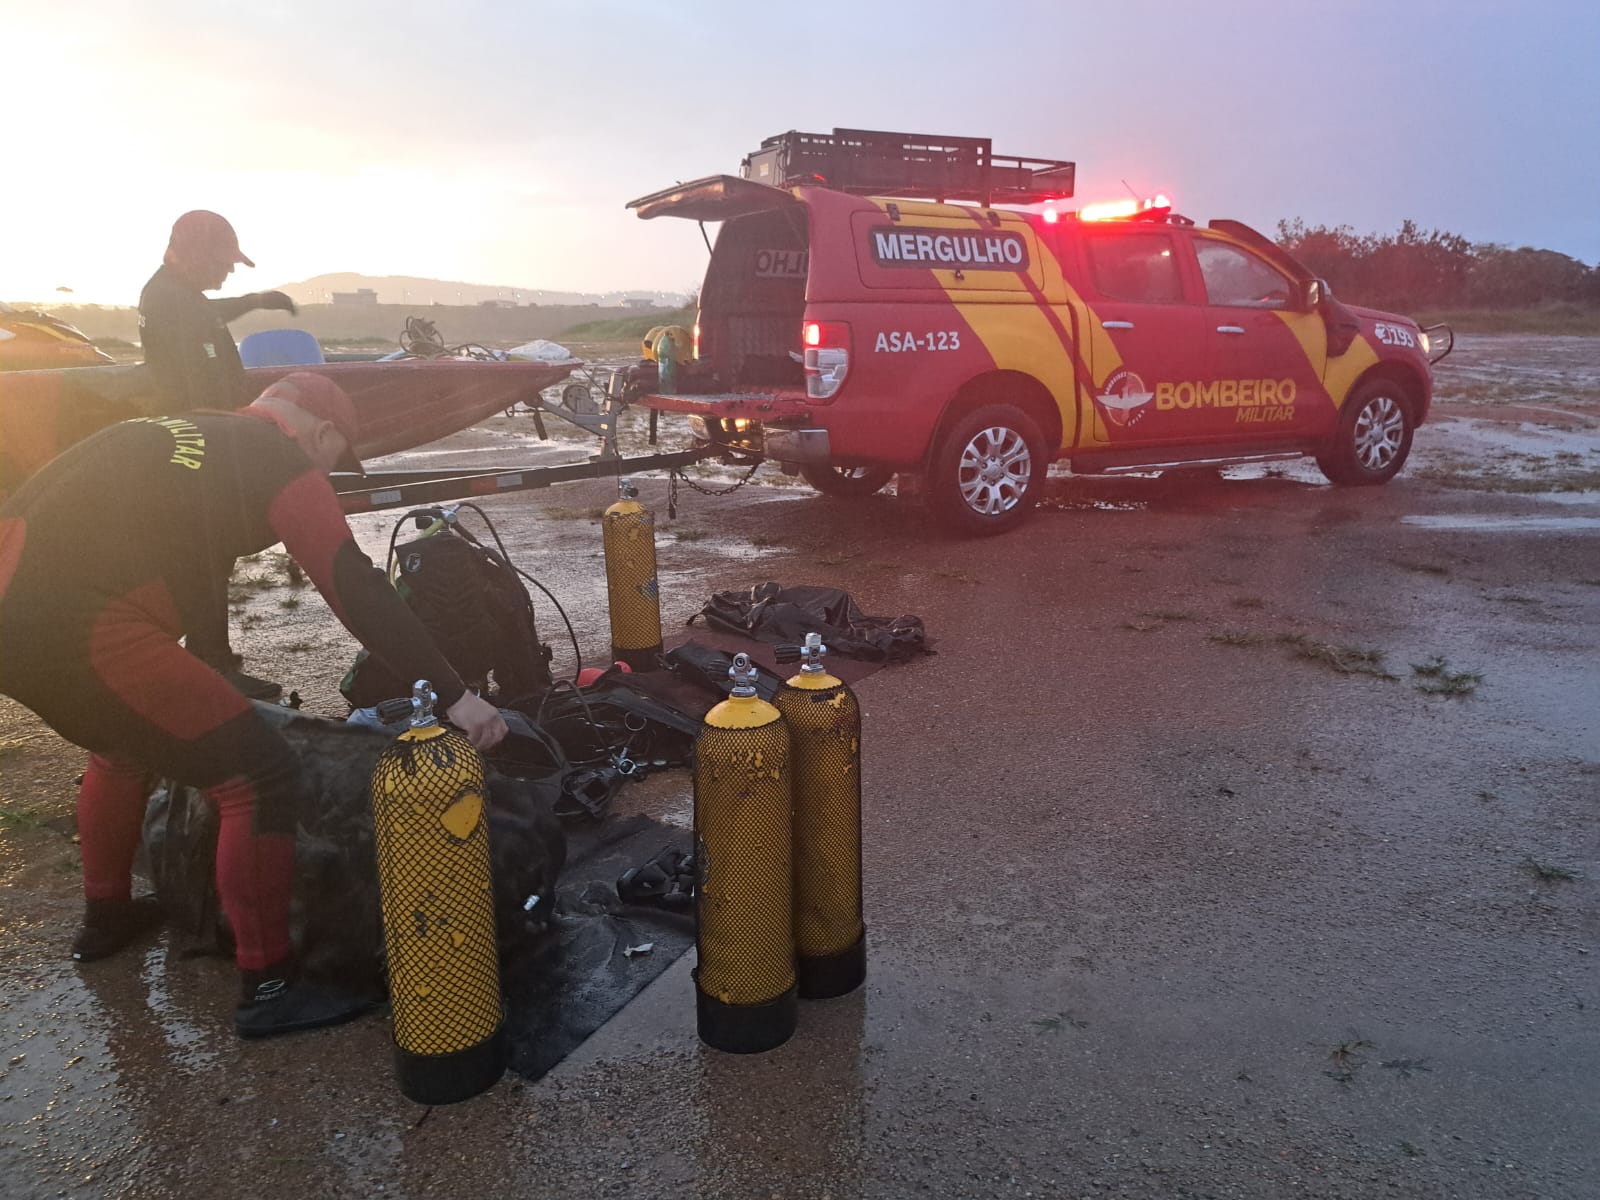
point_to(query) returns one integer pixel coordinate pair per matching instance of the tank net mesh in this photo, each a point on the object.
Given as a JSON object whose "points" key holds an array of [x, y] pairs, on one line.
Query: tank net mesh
{"points": [[825, 731], [743, 886], [635, 597], [438, 904]]}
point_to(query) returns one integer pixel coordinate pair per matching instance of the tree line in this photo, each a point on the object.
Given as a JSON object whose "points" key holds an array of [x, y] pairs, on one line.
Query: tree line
{"points": [[1416, 270]]}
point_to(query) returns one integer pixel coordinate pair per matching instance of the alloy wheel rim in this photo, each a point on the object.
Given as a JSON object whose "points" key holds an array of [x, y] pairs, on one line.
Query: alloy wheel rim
{"points": [[994, 470], [1379, 431]]}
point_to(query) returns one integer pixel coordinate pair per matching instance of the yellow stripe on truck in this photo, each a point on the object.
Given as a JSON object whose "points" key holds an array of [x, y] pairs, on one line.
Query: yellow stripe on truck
{"points": [[1342, 372]]}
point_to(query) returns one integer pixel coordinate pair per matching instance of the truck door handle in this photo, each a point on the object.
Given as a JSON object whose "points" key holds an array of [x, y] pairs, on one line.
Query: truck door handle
{"points": [[1237, 330], [1118, 325]]}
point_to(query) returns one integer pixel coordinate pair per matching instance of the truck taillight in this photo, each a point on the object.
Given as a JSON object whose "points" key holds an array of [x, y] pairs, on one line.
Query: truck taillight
{"points": [[827, 357]]}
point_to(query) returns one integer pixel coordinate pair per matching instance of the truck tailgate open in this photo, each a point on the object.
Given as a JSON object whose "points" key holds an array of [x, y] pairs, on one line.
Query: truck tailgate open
{"points": [[756, 406]]}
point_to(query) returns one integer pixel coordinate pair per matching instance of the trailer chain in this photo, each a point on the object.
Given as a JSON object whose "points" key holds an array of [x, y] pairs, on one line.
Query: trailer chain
{"points": [[677, 475]]}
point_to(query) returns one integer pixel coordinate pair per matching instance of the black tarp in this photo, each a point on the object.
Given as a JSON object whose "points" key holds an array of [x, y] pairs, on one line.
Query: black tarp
{"points": [[564, 961], [770, 612]]}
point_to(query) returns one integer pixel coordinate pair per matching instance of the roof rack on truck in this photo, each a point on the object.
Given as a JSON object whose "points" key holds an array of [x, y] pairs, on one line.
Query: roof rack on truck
{"points": [[869, 162]]}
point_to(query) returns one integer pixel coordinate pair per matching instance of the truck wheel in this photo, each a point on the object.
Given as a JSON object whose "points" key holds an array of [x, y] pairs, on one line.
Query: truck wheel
{"points": [[848, 483], [988, 471], [1373, 438]]}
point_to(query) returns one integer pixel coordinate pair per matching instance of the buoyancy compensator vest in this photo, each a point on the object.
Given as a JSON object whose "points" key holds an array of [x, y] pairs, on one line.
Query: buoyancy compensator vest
{"points": [[475, 608]]}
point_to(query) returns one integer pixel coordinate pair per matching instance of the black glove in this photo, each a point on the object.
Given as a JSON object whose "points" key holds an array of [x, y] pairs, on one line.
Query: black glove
{"points": [[276, 300]]}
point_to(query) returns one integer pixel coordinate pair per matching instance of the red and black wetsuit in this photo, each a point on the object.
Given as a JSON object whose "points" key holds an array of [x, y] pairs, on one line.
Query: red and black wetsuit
{"points": [[105, 561]]}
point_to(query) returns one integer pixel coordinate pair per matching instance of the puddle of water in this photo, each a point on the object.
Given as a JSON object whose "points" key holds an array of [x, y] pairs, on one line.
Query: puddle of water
{"points": [[1469, 521], [1519, 368], [1088, 504], [191, 1046], [1524, 439]]}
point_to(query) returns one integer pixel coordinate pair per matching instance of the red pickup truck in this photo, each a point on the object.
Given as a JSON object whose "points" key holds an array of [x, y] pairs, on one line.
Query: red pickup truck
{"points": [[853, 337]]}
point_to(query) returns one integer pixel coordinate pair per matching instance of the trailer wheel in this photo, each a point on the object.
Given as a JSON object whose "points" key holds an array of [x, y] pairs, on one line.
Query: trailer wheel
{"points": [[988, 471], [1373, 438], [846, 483]]}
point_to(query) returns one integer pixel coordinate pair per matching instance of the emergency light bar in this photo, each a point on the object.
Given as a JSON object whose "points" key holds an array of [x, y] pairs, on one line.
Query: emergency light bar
{"points": [[1123, 210]]}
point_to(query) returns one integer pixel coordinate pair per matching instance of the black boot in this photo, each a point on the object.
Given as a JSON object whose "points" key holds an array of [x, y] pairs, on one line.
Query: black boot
{"points": [[229, 665], [275, 1002], [109, 925], [252, 687]]}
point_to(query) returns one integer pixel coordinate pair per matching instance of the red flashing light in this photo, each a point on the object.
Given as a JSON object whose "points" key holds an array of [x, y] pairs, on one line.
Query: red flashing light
{"points": [[1050, 215], [1122, 210]]}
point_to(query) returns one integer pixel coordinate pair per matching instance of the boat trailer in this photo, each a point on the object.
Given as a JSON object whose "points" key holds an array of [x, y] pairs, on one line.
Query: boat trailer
{"points": [[594, 407]]}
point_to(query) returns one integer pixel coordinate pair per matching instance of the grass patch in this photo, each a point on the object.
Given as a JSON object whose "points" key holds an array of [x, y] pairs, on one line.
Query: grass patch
{"points": [[1549, 872], [1344, 660], [691, 535], [632, 328], [1581, 320], [1553, 478], [242, 587], [1437, 679], [290, 569], [289, 602], [1167, 614], [1422, 568], [1236, 637], [16, 818], [335, 343]]}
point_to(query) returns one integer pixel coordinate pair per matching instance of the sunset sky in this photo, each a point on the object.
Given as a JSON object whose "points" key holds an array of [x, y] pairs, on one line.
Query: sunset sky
{"points": [[498, 143]]}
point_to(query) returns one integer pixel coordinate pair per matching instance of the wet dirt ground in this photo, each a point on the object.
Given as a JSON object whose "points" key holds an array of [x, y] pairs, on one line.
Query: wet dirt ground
{"points": [[1242, 839]]}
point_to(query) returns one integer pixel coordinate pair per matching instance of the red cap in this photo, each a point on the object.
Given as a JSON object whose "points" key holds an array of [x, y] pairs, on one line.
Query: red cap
{"points": [[326, 400], [202, 234]]}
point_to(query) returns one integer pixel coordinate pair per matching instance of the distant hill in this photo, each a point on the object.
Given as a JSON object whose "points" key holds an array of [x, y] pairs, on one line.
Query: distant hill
{"points": [[410, 290]]}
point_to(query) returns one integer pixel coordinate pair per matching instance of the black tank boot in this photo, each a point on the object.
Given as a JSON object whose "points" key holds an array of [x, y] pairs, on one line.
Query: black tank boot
{"points": [[275, 1002], [109, 925]]}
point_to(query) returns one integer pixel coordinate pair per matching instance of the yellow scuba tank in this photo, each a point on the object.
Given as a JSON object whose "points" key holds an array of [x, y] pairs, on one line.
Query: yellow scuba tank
{"points": [[824, 720], [744, 933], [438, 910], [628, 529]]}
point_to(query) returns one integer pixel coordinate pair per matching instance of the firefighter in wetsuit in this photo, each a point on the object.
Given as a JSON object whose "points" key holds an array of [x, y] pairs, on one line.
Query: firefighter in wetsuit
{"points": [[192, 355], [104, 557]]}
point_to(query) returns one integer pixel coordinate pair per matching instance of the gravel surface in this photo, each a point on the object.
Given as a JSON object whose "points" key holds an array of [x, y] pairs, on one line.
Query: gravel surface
{"points": [[1183, 879]]}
